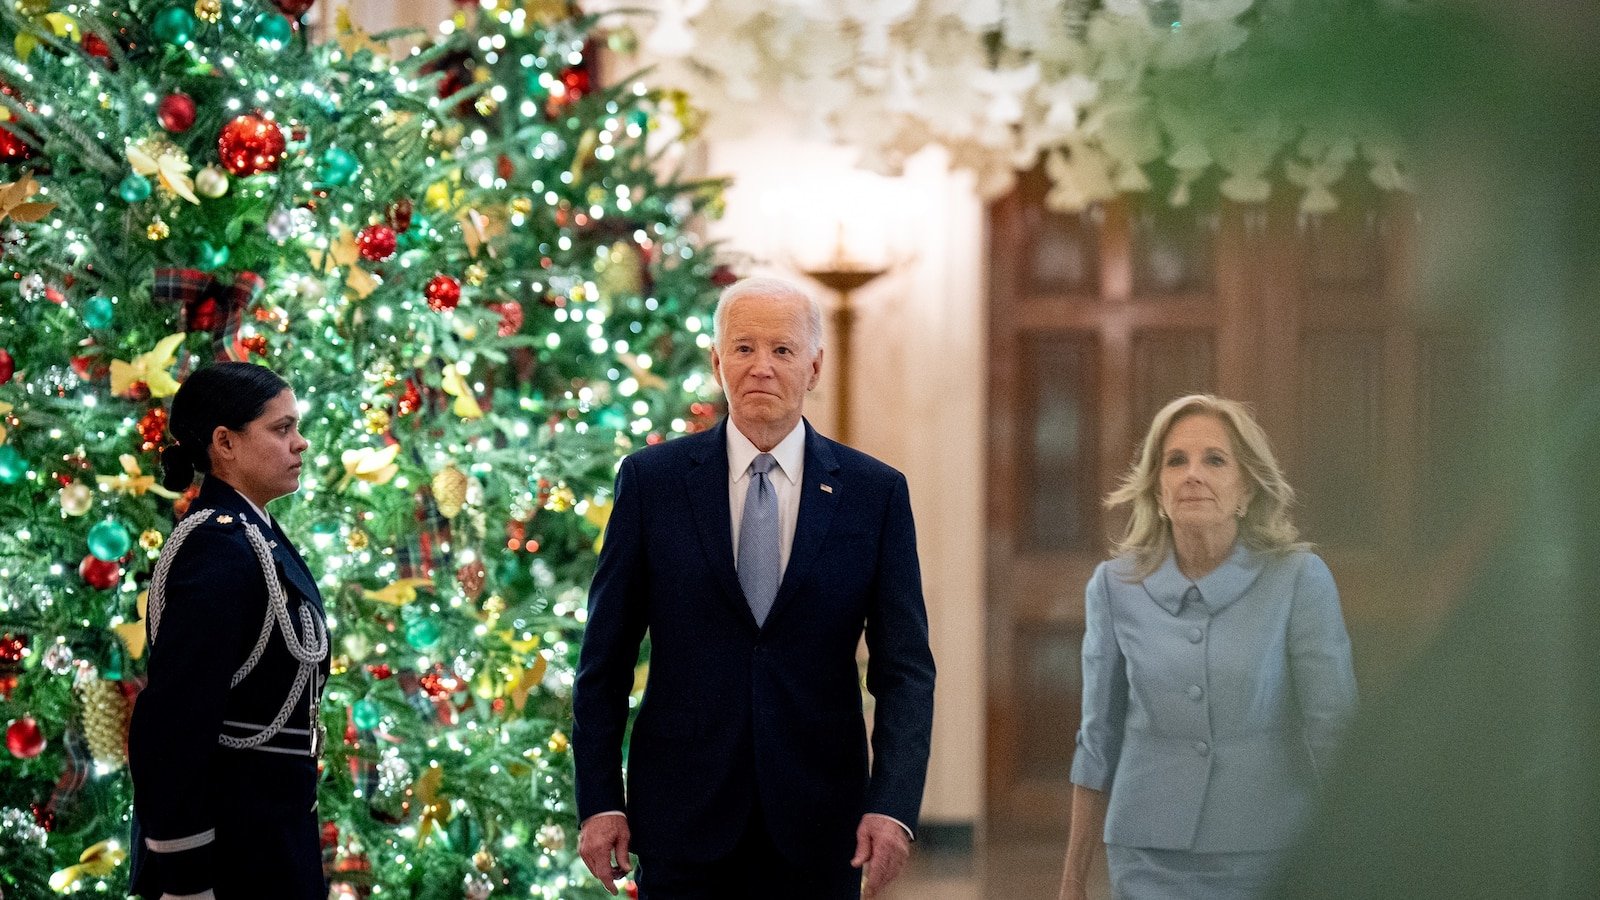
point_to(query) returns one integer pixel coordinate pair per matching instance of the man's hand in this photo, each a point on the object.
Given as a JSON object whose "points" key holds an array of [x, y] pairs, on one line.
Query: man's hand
{"points": [[883, 848], [601, 840]]}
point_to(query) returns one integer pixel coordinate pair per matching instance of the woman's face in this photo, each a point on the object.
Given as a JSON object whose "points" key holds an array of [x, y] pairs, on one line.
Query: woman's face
{"points": [[262, 460], [1202, 486]]}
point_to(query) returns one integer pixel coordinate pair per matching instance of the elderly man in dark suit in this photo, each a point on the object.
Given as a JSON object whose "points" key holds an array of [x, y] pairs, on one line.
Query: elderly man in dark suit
{"points": [[755, 555]]}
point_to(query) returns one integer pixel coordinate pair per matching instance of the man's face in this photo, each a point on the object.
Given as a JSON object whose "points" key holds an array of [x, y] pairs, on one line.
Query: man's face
{"points": [[764, 363]]}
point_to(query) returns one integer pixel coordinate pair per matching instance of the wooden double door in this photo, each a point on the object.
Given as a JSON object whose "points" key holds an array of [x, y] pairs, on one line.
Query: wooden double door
{"points": [[1097, 320]]}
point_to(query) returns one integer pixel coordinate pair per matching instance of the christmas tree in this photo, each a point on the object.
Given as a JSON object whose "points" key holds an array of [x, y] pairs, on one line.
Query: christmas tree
{"points": [[472, 267]]}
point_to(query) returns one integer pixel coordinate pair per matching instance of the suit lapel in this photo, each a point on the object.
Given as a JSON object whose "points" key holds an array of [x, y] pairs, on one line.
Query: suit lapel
{"points": [[820, 490], [707, 487]]}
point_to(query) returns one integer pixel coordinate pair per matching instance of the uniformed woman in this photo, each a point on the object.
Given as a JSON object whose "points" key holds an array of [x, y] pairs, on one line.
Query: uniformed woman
{"points": [[225, 737], [1216, 670]]}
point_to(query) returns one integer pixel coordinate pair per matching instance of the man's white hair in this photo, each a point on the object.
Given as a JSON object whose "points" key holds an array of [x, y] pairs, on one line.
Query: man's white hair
{"points": [[769, 289]]}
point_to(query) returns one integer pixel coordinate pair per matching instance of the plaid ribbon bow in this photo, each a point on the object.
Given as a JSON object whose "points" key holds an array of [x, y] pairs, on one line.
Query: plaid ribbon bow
{"points": [[210, 305]]}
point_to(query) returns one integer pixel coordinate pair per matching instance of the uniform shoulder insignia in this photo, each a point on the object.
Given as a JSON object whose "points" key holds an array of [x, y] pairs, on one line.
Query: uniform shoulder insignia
{"points": [[224, 519]]}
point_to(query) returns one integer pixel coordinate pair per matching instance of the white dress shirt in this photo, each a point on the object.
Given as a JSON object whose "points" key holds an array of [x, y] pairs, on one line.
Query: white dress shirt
{"points": [[790, 454]]}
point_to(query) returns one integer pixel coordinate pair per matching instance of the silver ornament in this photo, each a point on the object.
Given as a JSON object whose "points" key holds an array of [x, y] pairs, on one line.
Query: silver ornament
{"points": [[57, 659], [280, 226]]}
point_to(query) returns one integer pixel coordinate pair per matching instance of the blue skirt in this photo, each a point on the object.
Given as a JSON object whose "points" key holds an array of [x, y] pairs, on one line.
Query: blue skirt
{"points": [[1138, 873]]}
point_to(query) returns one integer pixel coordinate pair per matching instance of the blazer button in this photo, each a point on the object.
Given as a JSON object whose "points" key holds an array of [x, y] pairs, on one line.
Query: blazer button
{"points": [[1202, 748], [1195, 693], [1195, 635]]}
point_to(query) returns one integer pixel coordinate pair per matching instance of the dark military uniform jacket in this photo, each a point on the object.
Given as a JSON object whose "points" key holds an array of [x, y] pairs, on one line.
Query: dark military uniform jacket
{"points": [[217, 803]]}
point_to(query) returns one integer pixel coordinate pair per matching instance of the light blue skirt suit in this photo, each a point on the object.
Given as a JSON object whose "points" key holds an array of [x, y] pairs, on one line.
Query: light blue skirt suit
{"points": [[1210, 709]]}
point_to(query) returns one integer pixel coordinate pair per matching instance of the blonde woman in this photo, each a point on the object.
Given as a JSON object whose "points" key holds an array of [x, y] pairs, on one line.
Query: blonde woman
{"points": [[1216, 669]]}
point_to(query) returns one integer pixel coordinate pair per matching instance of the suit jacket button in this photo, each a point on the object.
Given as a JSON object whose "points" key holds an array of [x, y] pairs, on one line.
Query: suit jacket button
{"points": [[1202, 748], [1195, 635], [1195, 692]]}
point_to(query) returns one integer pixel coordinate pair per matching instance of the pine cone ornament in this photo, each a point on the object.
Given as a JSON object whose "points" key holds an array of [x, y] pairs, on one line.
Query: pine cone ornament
{"points": [[449, 490], [105, 721]]}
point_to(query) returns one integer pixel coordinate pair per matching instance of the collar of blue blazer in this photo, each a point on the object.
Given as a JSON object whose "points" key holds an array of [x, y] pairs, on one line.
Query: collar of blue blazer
{"points": [[1218, 588]]}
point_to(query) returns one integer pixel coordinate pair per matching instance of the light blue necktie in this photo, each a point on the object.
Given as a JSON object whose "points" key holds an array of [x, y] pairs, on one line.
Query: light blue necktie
{"points": [[758, 540]]}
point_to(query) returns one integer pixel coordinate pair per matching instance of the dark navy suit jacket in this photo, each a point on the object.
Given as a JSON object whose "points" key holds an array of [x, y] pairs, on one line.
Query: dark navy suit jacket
{"points": [[733, 714]]}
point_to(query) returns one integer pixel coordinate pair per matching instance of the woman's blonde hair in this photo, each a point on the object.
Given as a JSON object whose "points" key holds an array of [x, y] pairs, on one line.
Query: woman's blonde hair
{"points": [[1265, 524]]}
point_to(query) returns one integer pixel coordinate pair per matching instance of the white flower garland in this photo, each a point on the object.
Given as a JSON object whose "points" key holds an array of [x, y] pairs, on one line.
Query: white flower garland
{"points": [[1097, 88]]}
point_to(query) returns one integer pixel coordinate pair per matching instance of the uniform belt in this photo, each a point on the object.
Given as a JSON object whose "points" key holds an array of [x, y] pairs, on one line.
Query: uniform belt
{"points": [[289, 740]]}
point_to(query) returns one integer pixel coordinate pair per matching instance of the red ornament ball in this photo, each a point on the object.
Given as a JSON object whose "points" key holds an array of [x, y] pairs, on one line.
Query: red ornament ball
{"points": [[95, 45], [97, 573], [510, 318], [204, 316], [250, 144], [152, 425], [377, 242], [380, 671], [443, 292], [577, 81], [11, 647], [176, 112], [8, 366], [293, 8], [330, 834], [24, 739], [400, 214], [12, 148]]}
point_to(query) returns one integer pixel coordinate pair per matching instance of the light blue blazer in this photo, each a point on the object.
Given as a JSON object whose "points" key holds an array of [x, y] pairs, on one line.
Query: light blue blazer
{"points": [[1210, 708]]}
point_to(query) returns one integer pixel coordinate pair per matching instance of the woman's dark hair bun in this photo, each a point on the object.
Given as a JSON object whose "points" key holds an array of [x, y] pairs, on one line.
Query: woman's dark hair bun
{"points": [[177, 468]]}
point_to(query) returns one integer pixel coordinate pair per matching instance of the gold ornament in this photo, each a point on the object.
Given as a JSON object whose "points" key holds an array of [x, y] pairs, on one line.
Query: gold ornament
{"points": [[485, 105], [552, 837], [151, 539], [76, 498], [558, 743], [211, 182], [546, 12], [623, 274], [357, 541], [450, 490], [98, 861], [493, 607], [158, 231], [561, 499], [377, 421], [208, 11], [521, 205], [33, 8], [105, 721], [483, 860], [339, 665], [476, 275]]}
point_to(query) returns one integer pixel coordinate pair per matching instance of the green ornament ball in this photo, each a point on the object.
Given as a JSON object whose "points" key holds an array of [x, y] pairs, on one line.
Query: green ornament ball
{"points": [[12, 466], [213, 257], [99, 312], [273, 30], [422, 633], [174, 25], [365, 714], [109, 541], [134, 188], [338, 167]]}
